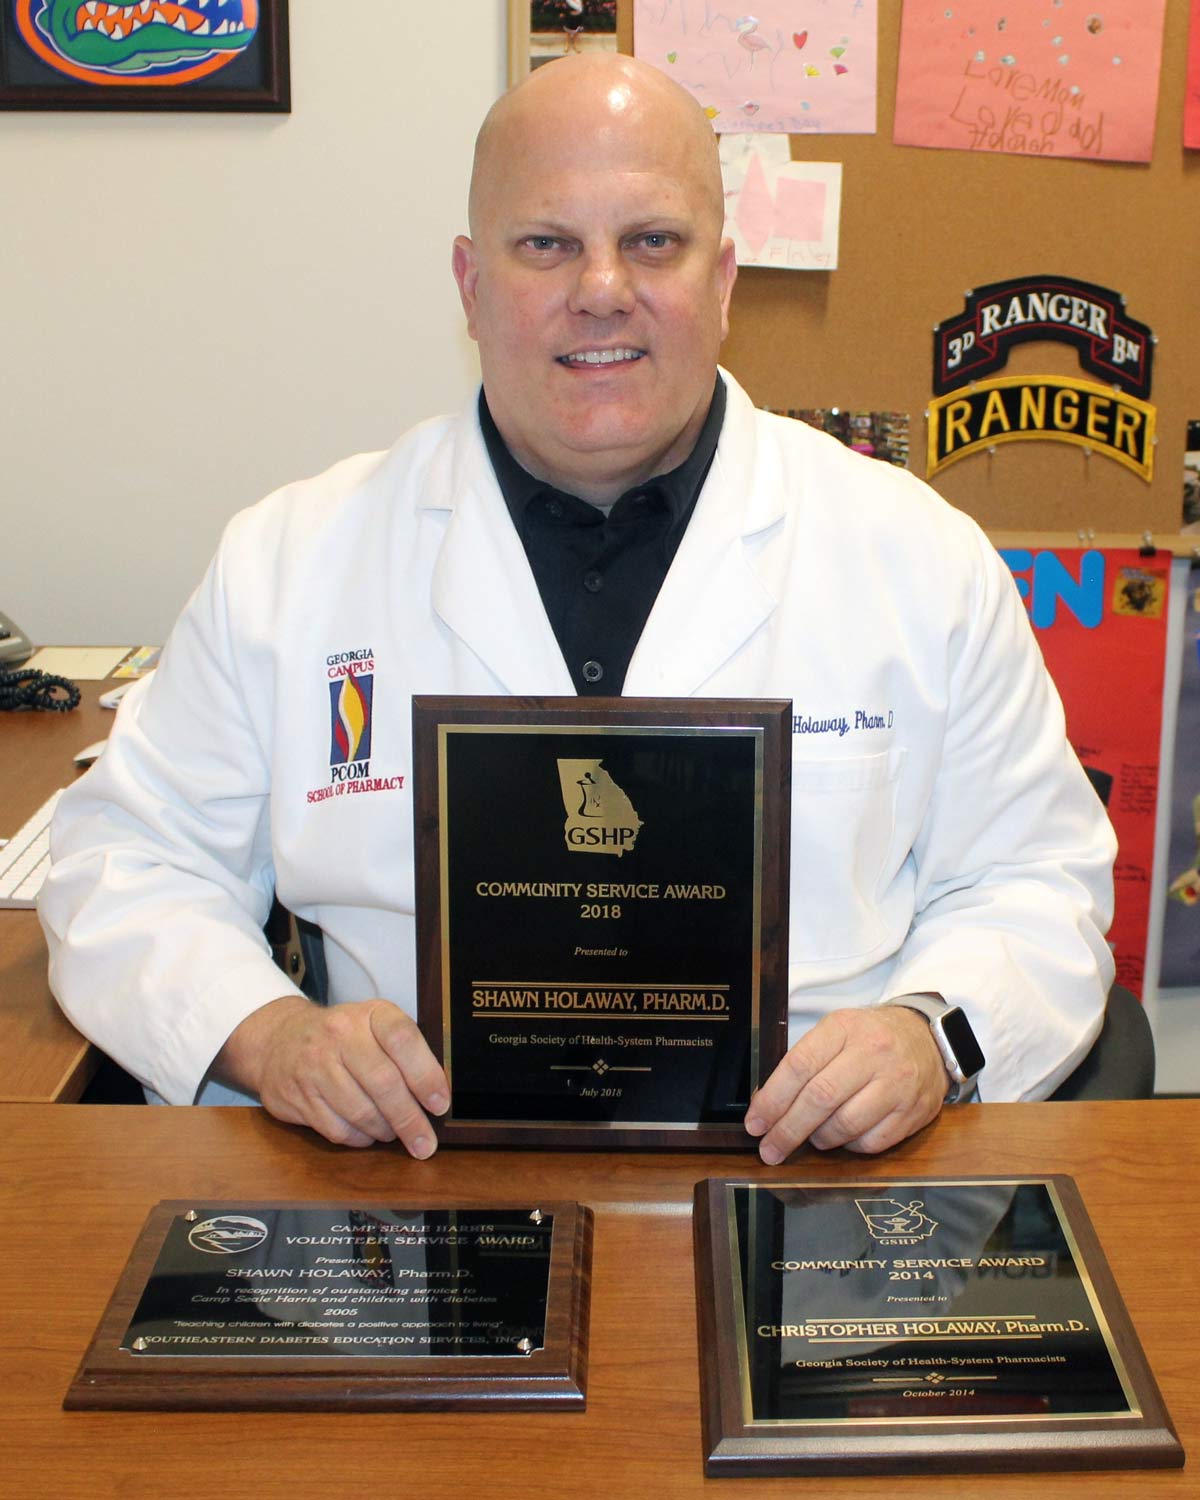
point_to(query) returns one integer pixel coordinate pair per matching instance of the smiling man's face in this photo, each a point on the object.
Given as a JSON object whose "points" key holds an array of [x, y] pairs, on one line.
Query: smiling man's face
{"points": [[596, 281]]}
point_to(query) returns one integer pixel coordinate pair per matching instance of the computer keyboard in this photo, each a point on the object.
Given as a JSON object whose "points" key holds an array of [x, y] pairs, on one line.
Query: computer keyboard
{"points": [[25, 859]]}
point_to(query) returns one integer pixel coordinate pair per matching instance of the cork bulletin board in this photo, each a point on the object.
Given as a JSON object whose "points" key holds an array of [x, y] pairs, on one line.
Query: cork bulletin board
{"points": [[922, 228]]}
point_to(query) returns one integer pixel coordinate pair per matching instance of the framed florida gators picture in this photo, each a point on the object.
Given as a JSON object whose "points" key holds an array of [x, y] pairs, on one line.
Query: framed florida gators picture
{"points": [[148, 55]]}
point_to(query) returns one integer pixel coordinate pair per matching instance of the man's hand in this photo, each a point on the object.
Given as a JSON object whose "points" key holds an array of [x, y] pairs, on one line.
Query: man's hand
{"points": [[863, 1079], [356, 1073]]}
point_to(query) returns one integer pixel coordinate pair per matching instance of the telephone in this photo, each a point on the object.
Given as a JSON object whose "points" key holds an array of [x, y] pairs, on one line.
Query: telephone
{"points": [[23, 688], [15, 646]]}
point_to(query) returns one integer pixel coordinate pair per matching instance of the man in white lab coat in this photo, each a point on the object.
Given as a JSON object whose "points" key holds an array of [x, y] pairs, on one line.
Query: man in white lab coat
{"points": [[610, 515]]}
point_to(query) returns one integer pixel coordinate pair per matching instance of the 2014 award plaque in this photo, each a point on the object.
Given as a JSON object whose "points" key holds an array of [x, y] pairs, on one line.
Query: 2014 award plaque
{"points": [[334, 1306], [966, 1324], [602, 915]]}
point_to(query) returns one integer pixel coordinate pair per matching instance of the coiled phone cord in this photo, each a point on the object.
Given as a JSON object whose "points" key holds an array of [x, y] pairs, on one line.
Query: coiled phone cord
{"points": [[33, 689]]}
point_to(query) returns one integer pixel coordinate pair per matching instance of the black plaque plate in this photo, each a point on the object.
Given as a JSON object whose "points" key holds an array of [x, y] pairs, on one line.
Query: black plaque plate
{"points": [[913, 1327], [277, 1307], [602, 915]]}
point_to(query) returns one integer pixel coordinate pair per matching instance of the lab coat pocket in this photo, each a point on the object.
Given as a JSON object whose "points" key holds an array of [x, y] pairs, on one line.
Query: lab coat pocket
{"points": [[843, 820]]}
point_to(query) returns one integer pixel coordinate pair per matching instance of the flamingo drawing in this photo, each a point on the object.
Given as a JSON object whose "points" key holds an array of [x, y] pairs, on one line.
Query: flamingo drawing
{"points": [[748, 37]]}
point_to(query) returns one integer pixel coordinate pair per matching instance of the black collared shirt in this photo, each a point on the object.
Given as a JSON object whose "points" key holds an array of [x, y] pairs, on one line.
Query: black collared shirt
{"points": [[600, 575]]}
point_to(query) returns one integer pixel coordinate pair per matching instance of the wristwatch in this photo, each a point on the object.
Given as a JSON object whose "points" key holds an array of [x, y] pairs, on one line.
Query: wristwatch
{"points": [[955, 1040]]}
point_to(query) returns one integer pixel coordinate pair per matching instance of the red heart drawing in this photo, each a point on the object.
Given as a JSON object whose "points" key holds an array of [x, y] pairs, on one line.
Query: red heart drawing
{"points": [[799, 37]]}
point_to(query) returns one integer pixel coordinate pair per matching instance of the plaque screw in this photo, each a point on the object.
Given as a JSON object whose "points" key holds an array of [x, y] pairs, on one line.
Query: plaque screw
{"points": [[191, 1216], [525, 1346], [139, 1345], [537, 1216]]}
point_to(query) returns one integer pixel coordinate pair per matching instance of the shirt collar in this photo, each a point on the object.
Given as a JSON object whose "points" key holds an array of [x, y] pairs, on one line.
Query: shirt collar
{"points": [[679, 488]]}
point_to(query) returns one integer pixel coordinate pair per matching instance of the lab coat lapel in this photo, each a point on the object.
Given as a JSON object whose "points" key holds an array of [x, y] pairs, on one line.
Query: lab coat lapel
{"points": [[712, 600], [483, 588]]}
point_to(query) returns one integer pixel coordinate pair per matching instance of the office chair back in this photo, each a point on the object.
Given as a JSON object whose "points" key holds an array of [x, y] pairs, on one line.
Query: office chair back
{"points": [[1121, 1062]]}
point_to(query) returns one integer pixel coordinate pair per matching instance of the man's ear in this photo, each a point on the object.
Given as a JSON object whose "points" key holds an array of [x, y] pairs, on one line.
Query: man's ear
{"points": [[726, 276], [466, 274]]}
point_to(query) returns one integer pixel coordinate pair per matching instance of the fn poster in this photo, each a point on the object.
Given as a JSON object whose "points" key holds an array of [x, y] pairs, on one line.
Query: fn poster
{"points": [[1100, 618]]}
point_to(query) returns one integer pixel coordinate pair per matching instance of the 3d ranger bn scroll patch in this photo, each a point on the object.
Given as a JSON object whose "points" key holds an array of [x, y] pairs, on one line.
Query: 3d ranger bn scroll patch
{"points": [[1091, 319]]}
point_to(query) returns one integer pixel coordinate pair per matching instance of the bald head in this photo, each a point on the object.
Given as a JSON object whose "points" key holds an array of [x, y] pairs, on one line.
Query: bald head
{"points": [[602, 105], [595, 280]]}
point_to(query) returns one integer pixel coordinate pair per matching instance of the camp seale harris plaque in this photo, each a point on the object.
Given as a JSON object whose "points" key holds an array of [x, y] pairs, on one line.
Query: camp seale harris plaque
{"points": [[870, 1327], [602, 914], [336, 1306]]}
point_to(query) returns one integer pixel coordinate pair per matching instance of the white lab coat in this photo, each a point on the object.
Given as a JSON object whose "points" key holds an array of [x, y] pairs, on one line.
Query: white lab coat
{"points": [[943, 835]]}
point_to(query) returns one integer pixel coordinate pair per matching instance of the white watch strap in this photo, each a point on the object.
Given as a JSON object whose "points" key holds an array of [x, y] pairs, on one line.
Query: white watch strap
{"points": [[928, 1003]]}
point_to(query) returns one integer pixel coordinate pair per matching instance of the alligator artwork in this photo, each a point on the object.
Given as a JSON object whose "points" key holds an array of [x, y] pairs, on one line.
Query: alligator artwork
{"points": [[154, 41]]}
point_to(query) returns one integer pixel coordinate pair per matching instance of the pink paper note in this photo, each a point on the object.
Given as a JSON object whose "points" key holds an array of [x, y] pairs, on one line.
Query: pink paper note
{"points": [[799, 209], [1066, 78], [795, 66], [779, 212], [1191, 102], [756, 208]]}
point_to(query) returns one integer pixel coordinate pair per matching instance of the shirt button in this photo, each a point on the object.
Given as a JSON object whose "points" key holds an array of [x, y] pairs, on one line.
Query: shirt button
{"points": [[593, 581], [554, 508], [592, 671]]}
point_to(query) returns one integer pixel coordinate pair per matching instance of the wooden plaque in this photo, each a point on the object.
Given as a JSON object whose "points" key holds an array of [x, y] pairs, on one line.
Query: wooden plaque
{"points": [[913, 1327], [602, 910], [367, 1307]]}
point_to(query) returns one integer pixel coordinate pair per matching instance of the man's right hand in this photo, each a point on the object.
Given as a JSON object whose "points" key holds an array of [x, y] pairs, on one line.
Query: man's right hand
{"points": [[355, 1073]]}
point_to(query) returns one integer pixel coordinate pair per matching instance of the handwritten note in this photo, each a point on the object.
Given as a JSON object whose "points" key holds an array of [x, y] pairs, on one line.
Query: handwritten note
{"points": [[1191, 102], [780, 212], [1066, 78], [796, 66]]}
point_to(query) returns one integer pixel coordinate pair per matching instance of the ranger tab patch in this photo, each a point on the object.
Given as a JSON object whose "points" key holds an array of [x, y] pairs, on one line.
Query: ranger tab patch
{"points": [[1016, 407]]}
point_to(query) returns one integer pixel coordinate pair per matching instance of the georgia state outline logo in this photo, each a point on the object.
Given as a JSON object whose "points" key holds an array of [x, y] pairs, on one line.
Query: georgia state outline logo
{"points": [[896, 1223], [600, 817]]}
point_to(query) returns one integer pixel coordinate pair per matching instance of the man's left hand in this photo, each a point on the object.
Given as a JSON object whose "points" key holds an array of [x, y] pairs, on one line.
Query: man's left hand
{"points": [[863, 1079]]}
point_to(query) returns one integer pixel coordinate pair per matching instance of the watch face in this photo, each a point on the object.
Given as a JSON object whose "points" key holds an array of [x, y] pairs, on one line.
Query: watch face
{"points": [[957, 1031]]}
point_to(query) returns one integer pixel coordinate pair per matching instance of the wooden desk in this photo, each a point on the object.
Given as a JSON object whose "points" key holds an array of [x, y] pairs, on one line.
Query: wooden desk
{"points": [[42, 1056], [76, 1183]]}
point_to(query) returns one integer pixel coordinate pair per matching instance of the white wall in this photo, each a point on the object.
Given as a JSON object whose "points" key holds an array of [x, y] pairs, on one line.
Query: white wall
{"points": [[196, 309]]}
